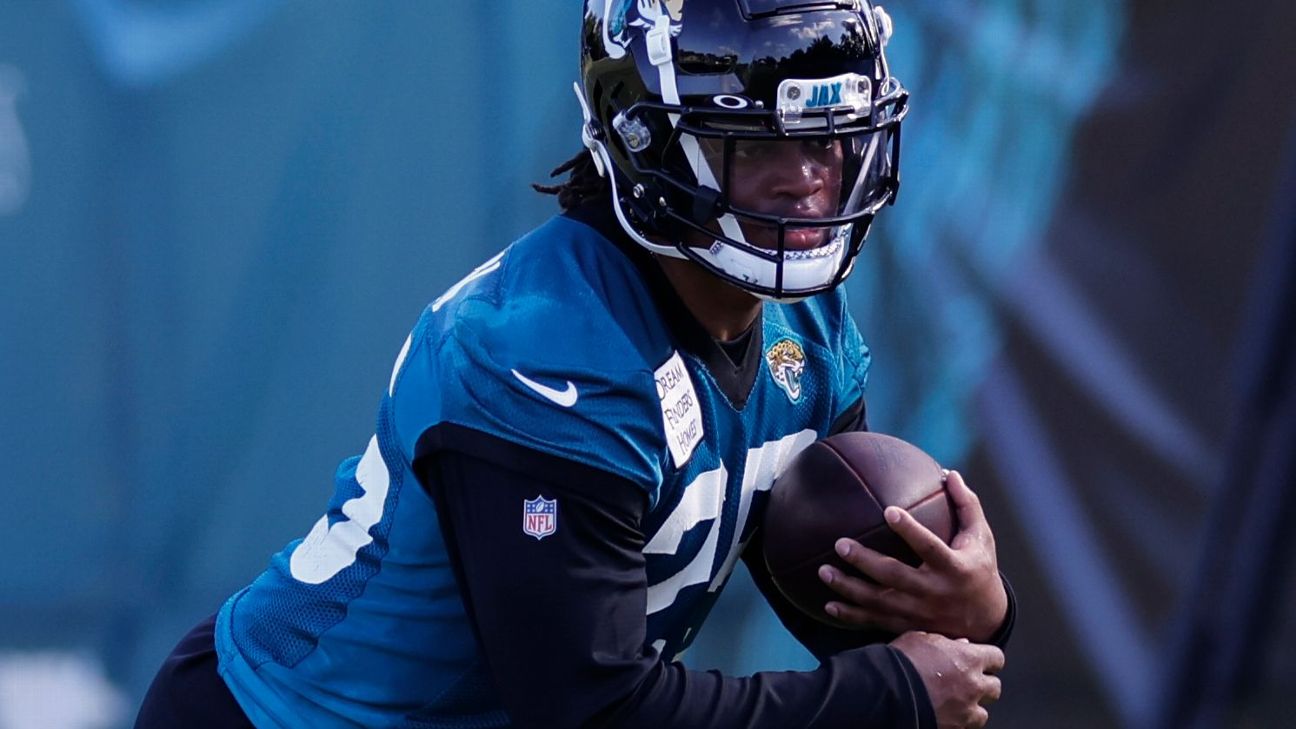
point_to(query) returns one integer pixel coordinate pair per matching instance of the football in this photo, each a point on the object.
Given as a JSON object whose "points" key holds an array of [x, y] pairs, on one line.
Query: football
{"points": [[839, 487]]}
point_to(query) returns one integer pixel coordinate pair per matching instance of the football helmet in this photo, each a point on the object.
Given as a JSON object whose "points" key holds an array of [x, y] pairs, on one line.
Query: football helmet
{"points": [[685, 101]]}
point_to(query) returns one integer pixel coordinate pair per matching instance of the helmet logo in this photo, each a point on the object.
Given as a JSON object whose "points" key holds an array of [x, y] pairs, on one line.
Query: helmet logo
{"points": [[786, 362], [656, 20], [729, 101]]}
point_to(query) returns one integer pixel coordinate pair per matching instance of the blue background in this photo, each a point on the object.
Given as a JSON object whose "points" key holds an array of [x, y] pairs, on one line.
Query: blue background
{"points": [[219, 218]]}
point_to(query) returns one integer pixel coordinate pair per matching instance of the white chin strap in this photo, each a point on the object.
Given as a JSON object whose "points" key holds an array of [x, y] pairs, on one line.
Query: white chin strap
{"points": [[603, 163]]}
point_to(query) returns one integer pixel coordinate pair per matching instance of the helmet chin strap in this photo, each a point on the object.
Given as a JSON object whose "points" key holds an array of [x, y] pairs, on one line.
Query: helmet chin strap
{"points": [[603, 164]]}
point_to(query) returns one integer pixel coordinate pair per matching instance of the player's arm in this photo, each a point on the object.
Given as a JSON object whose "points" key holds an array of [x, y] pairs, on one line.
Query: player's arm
{"points": [[561, 620]]}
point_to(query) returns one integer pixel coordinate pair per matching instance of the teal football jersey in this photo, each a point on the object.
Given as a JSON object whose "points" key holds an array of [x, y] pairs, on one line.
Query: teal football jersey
{"points": [[556, 344]]}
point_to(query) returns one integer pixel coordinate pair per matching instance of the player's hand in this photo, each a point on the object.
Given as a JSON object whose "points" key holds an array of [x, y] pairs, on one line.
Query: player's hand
{"points": [[959, 676], [956, 591]]}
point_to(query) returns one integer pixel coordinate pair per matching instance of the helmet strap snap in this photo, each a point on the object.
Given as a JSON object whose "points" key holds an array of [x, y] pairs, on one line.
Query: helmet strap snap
{"points": [[706, 205]]}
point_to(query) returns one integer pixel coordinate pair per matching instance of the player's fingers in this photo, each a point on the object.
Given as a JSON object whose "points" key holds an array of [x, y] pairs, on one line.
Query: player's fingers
{"points": [[854, 589], [920, 539], [859, 617], [990, 657], [980, 717], [966, 503], [880, 568], [868, 595], [965, 539], [991, 689]]}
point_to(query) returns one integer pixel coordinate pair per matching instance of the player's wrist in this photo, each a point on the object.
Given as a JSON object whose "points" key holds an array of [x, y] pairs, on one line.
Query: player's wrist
{"points": [[993, 614], [1000, 637], [1000, 618]]}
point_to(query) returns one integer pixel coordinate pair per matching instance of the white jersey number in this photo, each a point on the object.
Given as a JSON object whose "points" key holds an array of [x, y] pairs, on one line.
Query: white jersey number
{"points": [[704, 500], [329, 549]]}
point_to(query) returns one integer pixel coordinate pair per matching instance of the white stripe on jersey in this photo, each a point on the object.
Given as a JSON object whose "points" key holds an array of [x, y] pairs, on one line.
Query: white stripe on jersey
{"points": [[703, 499], [328, 550]]}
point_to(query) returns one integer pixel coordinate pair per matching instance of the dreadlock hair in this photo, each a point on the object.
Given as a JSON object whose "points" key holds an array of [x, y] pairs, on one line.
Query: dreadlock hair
{"points": [[584, 183]]}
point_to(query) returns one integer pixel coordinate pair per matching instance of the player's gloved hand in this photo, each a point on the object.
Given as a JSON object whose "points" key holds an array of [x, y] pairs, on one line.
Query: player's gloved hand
{"points": [[959, 676], [956, 591]]}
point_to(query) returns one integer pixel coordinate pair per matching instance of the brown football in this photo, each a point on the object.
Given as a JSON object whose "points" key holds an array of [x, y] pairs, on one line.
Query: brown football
{"points": [[839, 487]]}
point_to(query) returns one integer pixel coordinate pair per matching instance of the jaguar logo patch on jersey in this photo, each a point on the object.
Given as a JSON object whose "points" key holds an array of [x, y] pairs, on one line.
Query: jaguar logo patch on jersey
{"points": [[539, 517], [786, 362]]}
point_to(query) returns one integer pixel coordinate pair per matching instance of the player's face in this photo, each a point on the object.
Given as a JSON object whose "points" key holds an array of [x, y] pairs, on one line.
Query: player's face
{"points": [[790, 178]]}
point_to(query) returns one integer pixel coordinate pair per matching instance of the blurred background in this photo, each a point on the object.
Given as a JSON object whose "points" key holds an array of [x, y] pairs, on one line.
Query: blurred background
{"points": [[219, 218]]}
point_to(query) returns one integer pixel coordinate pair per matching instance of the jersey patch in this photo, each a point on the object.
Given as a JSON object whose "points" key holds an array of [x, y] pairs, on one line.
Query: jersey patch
{"points": [[539, 517], [786, 362], [681, 413]]}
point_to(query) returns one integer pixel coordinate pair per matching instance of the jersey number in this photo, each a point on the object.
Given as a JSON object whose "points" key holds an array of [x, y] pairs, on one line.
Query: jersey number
{"points": [[704, 500], [331, 548]]}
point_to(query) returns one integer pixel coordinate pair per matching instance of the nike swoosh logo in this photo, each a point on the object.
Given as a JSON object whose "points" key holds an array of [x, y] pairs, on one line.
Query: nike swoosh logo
{"points": [[565, 398]]}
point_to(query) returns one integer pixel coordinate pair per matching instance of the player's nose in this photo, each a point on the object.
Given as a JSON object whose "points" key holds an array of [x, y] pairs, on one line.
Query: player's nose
{"points": [[797, 175]]}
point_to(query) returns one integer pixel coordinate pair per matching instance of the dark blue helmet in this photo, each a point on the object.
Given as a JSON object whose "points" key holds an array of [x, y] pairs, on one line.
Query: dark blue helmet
{"points": [[684, 98]]}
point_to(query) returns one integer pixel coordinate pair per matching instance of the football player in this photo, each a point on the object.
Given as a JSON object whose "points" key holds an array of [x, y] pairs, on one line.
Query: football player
{"points": [[577, 440]]}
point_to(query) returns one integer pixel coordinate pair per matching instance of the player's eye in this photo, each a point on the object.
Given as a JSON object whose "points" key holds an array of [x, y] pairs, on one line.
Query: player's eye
{"points": [[749, 151], [819, 145]]}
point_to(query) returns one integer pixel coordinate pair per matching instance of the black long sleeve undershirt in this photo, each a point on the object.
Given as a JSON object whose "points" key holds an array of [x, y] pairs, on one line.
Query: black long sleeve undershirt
{"points": [[561, 621]]}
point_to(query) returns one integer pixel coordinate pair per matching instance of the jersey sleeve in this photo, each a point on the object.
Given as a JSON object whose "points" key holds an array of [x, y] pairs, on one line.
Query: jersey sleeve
{"points": [[601, 415], [548, 367]]}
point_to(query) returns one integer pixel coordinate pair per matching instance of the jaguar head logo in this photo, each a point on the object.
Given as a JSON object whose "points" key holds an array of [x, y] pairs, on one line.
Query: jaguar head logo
{"points": [[786, 362], [623, 20]]}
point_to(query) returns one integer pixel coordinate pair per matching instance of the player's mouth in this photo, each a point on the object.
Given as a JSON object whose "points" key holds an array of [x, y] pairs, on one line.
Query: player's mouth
{"points": [[794, 239], [803, 239]]}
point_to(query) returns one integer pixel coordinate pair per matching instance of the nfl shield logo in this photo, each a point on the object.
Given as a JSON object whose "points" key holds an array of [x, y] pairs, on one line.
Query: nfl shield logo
{"points": [[539, 517]]}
